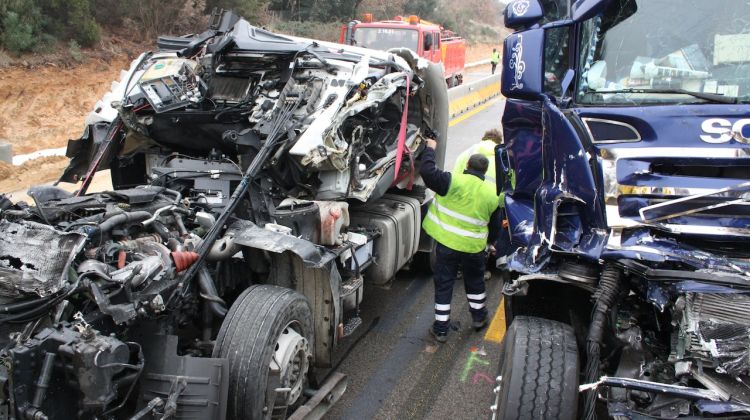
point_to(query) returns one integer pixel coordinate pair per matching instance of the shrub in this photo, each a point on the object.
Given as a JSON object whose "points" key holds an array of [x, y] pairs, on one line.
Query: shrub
{"points": [[75, 51], [18, 36], [307, 29], [70, 19], [20, 23], [45, 44], [87, 33]]}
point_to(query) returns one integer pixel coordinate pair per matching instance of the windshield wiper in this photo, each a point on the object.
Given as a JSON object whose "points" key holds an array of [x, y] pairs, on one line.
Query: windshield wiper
{"points": [[711, 97]]}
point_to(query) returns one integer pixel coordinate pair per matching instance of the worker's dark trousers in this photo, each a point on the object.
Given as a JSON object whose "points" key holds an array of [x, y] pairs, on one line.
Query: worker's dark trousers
{"points": [[494, 66], [447, 264]]}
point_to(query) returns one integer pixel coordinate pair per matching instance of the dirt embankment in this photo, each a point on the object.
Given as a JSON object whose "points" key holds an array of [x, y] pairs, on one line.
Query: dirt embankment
{"points": [[37, 171], [44, 106]]}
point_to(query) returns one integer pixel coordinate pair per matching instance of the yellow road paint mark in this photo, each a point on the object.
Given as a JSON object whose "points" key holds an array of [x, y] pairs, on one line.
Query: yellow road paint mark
{"points": [[473, 112], [496, 330]]}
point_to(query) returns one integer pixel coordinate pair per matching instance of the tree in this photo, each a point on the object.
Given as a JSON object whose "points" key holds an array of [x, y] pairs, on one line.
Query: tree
{"points": [[66, 19], [255, 11], [423, 8], [316, 10], [381, 9], [20, 24]]}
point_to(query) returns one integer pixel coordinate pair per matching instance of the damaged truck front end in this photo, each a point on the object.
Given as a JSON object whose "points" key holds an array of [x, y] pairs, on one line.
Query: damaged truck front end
{"points": [[256, 180], [626, 172]]}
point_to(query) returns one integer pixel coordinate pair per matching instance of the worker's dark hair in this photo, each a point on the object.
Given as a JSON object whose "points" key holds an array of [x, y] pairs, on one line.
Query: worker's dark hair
{"points": [[478, 162], [494, 135]]}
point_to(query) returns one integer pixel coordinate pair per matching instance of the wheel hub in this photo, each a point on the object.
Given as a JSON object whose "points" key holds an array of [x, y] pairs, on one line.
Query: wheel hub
{"points": [[292, 359]]}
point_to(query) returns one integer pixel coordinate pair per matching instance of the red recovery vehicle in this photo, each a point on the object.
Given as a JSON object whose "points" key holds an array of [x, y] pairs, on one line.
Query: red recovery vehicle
{"points": [[427, 39]]}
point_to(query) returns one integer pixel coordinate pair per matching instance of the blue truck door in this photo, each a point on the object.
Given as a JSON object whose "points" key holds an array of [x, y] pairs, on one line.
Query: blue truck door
{"points": [[553, 204]]}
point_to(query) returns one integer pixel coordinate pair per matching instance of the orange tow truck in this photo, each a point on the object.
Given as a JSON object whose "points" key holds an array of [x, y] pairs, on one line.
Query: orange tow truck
{"points": [[427, 39]]}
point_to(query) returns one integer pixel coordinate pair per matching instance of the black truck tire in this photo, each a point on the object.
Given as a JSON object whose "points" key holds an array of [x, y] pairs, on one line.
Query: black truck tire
{"points": [[251, 334], [539, 370]]}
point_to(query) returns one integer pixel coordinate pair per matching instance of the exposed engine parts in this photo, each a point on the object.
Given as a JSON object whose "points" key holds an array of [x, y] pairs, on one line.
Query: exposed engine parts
{"points": [[255, 188]]}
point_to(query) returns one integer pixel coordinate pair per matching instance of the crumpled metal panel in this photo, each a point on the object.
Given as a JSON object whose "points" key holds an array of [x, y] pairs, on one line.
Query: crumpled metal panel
{"points": [[249, 234], [35, 258]]}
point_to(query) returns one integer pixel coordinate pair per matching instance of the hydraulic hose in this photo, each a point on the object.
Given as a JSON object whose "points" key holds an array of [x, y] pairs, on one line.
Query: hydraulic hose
{"points": [[17, 307], [125, 217], [609, 288]]}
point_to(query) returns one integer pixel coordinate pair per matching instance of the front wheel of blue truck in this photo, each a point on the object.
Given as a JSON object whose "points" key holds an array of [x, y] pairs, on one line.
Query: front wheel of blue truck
{"points": [[539, 371]]}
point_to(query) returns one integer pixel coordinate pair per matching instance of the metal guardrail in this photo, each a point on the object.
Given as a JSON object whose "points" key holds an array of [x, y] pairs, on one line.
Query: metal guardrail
{"points": [[477, 63], [470, 95]]}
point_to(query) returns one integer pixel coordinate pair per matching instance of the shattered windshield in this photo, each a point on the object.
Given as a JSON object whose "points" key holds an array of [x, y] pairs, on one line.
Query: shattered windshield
{"points": [[386, 38], [648, 51]]}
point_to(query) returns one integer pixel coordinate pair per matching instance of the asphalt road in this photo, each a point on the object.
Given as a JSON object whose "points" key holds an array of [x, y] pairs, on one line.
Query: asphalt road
{"points": [[395, 369]]}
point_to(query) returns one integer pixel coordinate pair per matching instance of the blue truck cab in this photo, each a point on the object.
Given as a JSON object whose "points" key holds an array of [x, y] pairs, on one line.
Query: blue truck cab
{"points": [[626, 172]]}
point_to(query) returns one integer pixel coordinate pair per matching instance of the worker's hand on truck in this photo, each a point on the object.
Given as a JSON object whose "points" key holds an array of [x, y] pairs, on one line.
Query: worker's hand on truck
{"points": [[432, 144]]}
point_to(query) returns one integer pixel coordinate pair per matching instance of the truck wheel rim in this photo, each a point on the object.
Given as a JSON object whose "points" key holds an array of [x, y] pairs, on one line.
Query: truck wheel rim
{"points": [[292, 358]]}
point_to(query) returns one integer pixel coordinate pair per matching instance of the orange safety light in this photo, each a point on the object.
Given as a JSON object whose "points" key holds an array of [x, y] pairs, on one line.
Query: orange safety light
{"points": [[398, 18], [413, 19], [367, 18]]}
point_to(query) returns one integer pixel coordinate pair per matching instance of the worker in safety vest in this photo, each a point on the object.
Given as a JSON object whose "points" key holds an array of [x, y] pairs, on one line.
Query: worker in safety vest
{"points": [[491, 139], [494, 59], [486, 147], [459, 220]]}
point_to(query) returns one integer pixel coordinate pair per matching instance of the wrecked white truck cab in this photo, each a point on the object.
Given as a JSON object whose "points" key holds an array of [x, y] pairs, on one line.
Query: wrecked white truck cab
{"points": [[257, 178]]}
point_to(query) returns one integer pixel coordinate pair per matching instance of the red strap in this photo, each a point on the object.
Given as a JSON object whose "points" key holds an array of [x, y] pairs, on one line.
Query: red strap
{"points": [[397, 177], [103, 148]]}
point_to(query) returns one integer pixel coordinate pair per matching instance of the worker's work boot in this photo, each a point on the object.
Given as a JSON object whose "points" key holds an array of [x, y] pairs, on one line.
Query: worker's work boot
{"points": [[479, 325], [440, 337]]}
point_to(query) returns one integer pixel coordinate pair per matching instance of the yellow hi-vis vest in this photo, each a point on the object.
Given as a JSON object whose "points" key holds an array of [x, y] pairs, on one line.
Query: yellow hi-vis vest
{"points": [[459, 219], [495, 57]]}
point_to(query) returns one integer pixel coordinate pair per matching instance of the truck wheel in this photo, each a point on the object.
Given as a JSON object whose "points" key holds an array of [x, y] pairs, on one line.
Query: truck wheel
{"points": [[267, 336], [539, 371]]}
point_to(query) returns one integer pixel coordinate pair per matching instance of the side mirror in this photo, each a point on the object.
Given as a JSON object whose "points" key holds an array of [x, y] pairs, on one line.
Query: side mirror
{"points": [[523, 63], [586, 9], [520, 14]]}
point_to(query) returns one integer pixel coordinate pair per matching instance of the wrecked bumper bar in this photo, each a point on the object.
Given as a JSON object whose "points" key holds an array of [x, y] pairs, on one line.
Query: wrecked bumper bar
{"points": [[640, 385]]}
